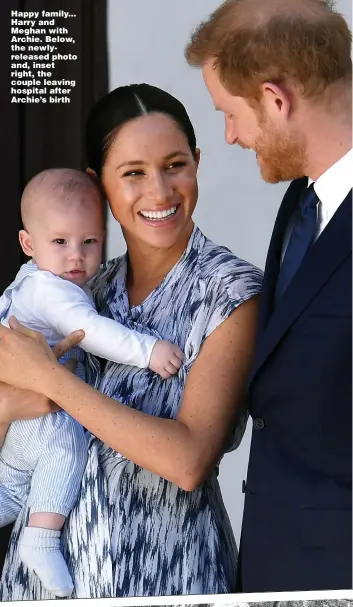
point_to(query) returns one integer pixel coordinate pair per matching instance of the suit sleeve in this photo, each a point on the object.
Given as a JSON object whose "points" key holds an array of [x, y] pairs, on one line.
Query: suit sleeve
{"points": [[65, 307]]}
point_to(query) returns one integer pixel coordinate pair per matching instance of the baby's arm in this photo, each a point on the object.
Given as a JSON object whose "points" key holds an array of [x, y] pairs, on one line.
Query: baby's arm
{"points": [[65, 307]]}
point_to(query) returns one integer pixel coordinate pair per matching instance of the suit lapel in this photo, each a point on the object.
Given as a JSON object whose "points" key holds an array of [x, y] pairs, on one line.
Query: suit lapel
{"points": [[328, 252], [286, 210]]}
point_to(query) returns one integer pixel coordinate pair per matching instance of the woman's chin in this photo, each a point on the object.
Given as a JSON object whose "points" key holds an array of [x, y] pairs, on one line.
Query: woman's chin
{"points": [[160, 241], [166, 239]]}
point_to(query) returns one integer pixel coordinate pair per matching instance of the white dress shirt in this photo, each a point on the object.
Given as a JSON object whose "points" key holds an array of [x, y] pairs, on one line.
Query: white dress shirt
{"points": [[332, 187], [47, 303]]}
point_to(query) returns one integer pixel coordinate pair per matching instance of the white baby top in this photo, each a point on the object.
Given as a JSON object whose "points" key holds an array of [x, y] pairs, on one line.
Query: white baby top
{"points": [[47, 303]]}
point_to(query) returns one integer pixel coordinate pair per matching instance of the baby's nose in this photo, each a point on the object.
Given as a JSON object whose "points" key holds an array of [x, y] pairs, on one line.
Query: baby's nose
{"points": [[76, 253]]}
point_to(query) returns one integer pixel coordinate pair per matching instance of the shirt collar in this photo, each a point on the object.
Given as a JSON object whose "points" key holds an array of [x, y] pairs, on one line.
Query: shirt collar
{"points": [[333, 186]]}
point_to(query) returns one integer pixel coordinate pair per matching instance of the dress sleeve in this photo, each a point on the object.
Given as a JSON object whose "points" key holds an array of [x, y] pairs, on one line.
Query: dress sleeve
{"points": [[236, 282], [226, 292], [65, 307]]}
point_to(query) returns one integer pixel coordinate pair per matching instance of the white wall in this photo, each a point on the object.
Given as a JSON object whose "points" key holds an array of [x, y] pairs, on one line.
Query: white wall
{"points": [[236, 208]]}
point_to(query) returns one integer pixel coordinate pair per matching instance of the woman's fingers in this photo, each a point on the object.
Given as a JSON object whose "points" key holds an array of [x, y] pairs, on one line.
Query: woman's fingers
{"points": [[60, 348], [22, 404], [23, 354], [16, 326], [68, 342]]}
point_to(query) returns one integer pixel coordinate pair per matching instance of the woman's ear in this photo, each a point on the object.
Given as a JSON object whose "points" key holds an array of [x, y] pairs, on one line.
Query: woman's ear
{"points": [[197, 157], [26, 243]]}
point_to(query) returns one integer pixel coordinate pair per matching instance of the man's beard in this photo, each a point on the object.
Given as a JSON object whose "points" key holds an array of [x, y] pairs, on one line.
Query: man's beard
{"points": [[281, 155]]}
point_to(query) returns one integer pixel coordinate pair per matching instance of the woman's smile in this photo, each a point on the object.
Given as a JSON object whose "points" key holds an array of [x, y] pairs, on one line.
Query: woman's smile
{"points": [[160, 217]]}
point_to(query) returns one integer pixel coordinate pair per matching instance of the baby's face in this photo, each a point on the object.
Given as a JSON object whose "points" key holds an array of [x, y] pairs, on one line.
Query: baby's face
{"points": [[68, 242]]}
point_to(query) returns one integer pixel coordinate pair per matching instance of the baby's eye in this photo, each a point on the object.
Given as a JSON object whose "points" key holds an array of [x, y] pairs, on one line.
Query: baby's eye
{"points": [[60, 241], [90, 241]]}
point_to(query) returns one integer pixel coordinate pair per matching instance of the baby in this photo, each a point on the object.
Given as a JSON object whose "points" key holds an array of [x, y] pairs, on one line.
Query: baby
{"points": [[42, 460]]}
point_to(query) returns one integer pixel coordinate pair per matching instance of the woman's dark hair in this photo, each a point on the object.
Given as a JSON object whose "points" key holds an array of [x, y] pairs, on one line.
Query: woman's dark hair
{"points": [[124, 104]]}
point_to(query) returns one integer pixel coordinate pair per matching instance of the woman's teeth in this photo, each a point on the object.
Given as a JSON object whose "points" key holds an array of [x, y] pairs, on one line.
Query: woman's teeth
{"points": [[158, 215]]}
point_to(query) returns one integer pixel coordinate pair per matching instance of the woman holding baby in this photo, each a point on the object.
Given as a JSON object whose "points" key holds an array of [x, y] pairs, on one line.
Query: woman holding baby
{"points": [[150, 519]]}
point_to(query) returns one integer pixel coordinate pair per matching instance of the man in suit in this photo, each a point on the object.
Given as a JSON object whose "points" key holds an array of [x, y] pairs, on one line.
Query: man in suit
{"points": [[281, 72]]}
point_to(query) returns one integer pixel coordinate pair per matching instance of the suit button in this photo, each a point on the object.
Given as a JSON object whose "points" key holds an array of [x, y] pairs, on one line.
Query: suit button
{"points": [[259, 423], [243, 487]]}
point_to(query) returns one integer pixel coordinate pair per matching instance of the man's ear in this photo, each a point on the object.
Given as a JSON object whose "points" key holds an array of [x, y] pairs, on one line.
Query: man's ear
{"points": [[26, 243], [276, 101]]}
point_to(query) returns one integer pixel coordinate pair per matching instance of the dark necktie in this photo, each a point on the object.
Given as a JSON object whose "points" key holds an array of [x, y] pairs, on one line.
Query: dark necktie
{"points": [[301, 239]]}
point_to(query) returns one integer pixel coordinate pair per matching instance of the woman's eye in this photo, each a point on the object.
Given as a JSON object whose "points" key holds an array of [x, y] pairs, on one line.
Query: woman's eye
{"points": [[176, 165], [133, 173], [60, 241]]}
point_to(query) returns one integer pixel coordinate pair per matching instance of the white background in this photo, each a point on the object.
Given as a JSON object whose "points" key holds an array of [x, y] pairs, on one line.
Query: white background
{"points": [[236, 208]]}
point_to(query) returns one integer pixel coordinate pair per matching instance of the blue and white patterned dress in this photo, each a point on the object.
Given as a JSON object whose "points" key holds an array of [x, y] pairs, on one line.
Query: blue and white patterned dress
{"points": [[131, 532]]}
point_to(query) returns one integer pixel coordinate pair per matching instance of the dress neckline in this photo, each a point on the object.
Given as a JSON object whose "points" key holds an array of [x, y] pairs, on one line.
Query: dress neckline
{"points": [[119, 281]]}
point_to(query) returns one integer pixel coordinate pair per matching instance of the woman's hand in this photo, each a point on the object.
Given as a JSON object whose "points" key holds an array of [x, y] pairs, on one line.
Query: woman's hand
{"points": [[22, 404], [24, 358]]}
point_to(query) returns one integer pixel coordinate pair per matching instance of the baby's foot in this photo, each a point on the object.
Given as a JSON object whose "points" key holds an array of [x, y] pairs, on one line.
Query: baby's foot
{"points": [[40, 551]]}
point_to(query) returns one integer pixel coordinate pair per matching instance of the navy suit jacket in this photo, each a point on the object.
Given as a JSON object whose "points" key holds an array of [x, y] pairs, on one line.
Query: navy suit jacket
{"points": [[297, 525]]}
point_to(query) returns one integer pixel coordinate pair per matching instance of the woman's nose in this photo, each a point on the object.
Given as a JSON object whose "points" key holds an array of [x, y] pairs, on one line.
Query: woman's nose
{"points": [[159, 187]]}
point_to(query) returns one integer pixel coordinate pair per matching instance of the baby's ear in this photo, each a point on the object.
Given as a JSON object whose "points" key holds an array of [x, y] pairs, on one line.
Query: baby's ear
{"points": [[26, 243]]}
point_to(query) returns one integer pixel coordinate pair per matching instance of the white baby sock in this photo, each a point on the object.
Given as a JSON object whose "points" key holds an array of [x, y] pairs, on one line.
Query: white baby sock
{"points": [[40, 551]]}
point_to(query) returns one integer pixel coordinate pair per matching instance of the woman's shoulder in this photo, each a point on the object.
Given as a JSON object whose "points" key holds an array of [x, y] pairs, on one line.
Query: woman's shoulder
{"points": [[108, 272], [224, 282], [217, 261]]}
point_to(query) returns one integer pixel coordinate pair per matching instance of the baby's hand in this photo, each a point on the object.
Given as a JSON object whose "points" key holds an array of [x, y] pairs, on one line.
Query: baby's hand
{"points": [[166, 359]]}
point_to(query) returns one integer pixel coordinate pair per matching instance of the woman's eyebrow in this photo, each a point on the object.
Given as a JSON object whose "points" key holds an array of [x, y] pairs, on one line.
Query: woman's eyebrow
{"points": [[130, 163], [177, 153], [135, 162]]}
